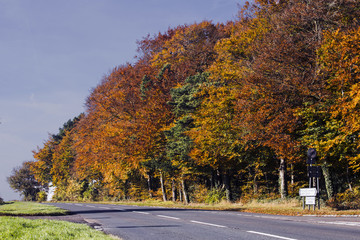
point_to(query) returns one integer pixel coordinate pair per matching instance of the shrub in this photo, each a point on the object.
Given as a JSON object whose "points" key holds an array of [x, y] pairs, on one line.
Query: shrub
{"points": [[350, 199], [198, 193], [68, 192], [215, 195], [1, 201], [41, 196]]}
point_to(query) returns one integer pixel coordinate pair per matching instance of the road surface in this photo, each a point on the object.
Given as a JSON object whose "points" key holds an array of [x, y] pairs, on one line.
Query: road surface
{"points": [[154, 223]]}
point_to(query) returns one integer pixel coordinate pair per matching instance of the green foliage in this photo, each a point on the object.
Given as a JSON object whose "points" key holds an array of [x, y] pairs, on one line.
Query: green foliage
{"points": [[184, 99], [70, 124], [145, 85], [41, 196], [71, 191], [91, 193], [215, 195], [23, 181]]}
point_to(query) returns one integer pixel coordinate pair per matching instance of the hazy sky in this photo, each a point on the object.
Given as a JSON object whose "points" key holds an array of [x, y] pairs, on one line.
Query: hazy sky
{"points": [[52, 53]]}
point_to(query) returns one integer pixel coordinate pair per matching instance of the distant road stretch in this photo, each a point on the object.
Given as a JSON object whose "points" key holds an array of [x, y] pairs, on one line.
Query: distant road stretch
{"points": [[153, 223]]}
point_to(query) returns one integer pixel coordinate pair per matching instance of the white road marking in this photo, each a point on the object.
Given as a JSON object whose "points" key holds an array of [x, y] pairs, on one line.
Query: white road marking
{"points": [[262, 216], [163, 216], [209, 224], [141, 212], [271, 235], [341, 223], [89, 206], [104, 207]]}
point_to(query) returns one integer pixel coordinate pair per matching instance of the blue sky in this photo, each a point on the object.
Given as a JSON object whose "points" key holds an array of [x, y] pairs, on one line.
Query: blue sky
{"points": [[52, 53]]}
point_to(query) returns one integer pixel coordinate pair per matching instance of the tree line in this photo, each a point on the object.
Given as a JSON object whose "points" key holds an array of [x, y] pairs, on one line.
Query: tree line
{"points": [[227, 111]]}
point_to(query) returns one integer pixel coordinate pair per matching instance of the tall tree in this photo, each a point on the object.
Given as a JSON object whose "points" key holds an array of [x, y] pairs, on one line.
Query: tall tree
{"points": [[23, 181]]}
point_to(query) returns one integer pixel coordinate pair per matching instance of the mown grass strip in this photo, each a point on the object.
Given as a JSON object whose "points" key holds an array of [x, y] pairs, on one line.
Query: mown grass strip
{"points": [[21, 228], [29, 209], [290, 207]]}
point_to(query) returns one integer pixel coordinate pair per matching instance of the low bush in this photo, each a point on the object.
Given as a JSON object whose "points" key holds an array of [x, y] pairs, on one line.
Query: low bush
{"points": [[350, 199], [1, 201], [41, 196], [215, 195]]}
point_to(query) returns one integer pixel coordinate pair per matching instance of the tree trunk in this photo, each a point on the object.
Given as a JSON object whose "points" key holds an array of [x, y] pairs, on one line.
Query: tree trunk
{"points": [[126, 189], [213, 179], [328, 181], [292, 174], [162, 186], [227, 186], [282, 179], [255, 185], [149, 181], [173, 188], [185, 193], [348, 178], [180, 194]]}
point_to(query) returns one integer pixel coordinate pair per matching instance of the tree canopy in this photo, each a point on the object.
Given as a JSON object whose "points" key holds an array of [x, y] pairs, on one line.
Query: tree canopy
{"points": [[229, 107]]}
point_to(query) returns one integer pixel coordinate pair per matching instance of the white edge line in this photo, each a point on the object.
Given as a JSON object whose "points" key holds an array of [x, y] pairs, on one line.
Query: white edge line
{"points": [[210, 224], [163, 216], [141, 212], [271, 235]]}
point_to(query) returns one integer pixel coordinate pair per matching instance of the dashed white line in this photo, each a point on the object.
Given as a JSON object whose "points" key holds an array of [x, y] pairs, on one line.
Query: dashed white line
{"points": [[209, 224], [341, 223], [163, 216], [271, 235], [141, 212], [104, 207]]}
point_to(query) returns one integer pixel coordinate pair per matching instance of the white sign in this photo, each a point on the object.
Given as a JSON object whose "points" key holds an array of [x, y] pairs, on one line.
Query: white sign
{"points": [[307, 192], [310, 200]]}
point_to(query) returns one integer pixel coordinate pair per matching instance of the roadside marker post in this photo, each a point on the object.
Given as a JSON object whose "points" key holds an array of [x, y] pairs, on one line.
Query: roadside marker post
{"points": [[311, 195]]}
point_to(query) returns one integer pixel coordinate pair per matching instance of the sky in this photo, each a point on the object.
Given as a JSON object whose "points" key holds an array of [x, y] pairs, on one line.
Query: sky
{"points": [[52, 53]]}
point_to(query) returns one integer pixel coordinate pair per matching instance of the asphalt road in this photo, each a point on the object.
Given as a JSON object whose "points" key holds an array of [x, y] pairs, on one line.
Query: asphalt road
{"points": [[150, 223]]}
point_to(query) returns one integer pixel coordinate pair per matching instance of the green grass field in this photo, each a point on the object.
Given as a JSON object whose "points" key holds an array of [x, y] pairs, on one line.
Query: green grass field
{"points": [[21, 228], [29, 209], [40, 229]]}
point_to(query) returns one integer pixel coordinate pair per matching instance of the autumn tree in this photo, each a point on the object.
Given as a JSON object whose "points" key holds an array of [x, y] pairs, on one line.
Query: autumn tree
{"points": [[23, 181], [213, 105], [107, 140], [283, 71], [190, 50], [331, 125], [54, 161]]}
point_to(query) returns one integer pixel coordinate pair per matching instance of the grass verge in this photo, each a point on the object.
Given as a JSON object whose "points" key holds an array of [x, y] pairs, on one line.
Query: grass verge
{"points": [[21, 228], [29, 209], [290, 207]]}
